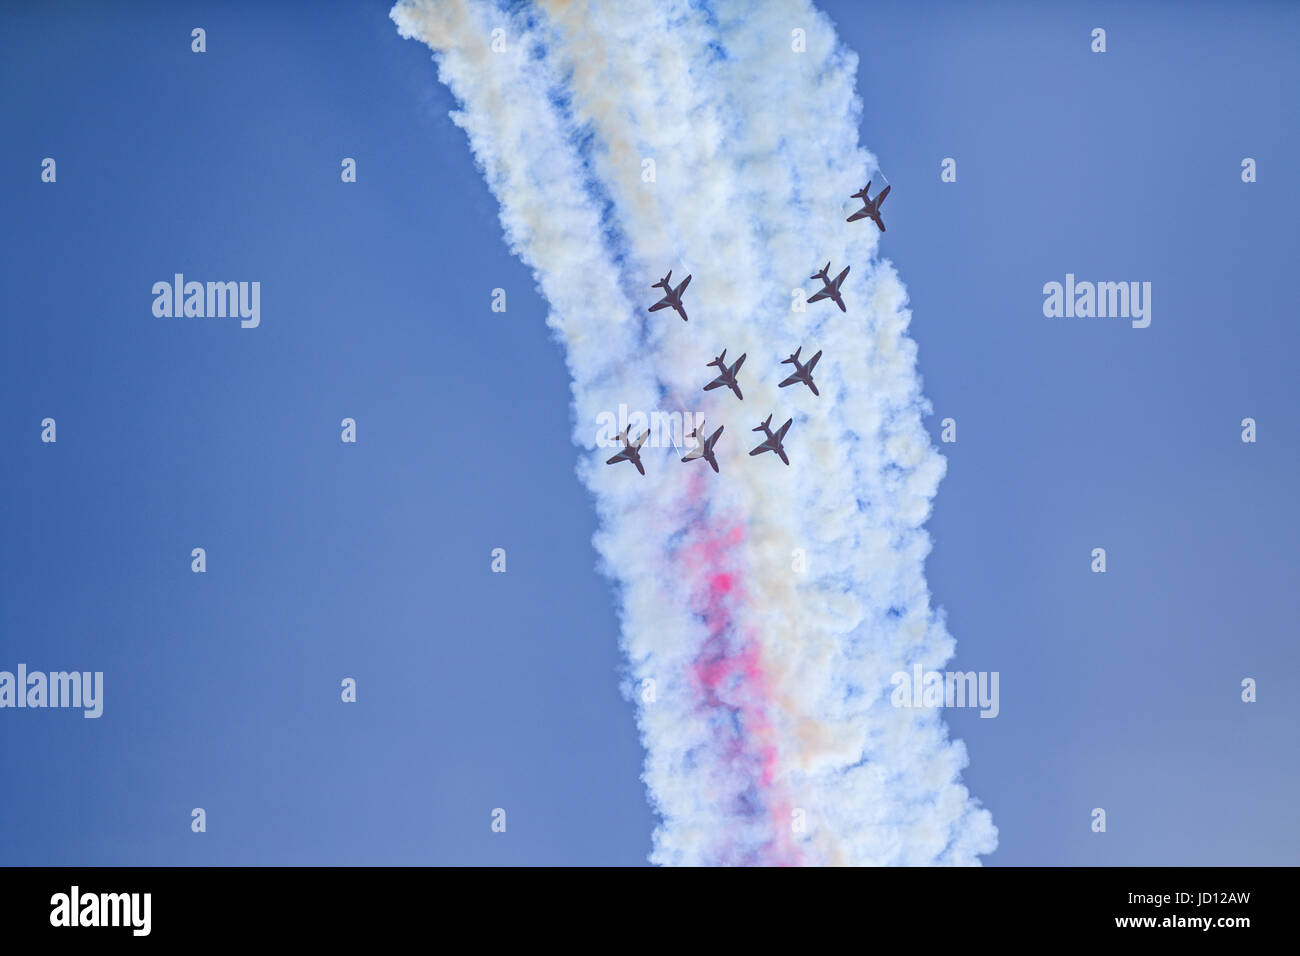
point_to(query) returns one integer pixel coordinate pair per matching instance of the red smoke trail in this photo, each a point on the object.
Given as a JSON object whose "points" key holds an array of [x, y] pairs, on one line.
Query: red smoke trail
{"points": [[729, 678]]}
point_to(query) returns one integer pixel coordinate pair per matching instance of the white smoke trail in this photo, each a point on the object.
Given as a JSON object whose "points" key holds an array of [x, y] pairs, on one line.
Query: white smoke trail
{"points": [[771, 685]]}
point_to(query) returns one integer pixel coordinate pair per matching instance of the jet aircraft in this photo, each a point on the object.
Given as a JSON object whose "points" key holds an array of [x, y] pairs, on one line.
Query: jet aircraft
{"points": [[830, 289], [727, 376], [802, 373], [672, 297], [631, 450], [870, 207], [704, 446], [773, 441]]}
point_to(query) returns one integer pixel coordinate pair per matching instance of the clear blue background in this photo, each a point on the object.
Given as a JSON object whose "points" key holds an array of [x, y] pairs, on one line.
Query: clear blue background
{"points": [[372, 561]]}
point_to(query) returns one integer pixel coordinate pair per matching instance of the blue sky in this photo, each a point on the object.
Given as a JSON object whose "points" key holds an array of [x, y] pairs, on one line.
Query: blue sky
{"points": [[372, 561]]}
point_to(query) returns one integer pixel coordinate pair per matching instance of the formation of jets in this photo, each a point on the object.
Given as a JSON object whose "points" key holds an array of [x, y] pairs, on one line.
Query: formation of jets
{"points": [[773, 441]]}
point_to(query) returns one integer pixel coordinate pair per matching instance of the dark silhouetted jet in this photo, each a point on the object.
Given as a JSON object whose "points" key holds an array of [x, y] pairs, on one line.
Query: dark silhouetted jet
{"points": [[704, 446], [773, 442], [631, 450], [728, 375], [672, 297], [802, 373], [830, 290], [870, 207]]}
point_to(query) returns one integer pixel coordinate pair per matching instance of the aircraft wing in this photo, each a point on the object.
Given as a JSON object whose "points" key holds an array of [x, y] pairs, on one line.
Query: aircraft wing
{"points": [[780, 432], [881, 198], [661, 304], [739, 362], [812, 363], [641, 441], [716, 383], [621, 456], [860, 214], [766, 446], [789, 381], [819, 296], [840, 278], [682, 288]]}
